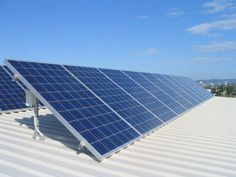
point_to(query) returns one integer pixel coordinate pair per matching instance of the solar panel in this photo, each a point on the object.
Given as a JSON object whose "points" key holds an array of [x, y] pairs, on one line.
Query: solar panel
{"points": [[8, 70], [121, 102], [107, 109], [12, 96], [155, 105], [174, 91], [86, 116], [198, 88], [157, 90], [189, 88], [12, 74], [180, 89], [158, 82]]}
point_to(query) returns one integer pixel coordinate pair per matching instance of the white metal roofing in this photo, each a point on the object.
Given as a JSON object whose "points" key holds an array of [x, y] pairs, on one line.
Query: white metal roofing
{"points": [[200, 143]]}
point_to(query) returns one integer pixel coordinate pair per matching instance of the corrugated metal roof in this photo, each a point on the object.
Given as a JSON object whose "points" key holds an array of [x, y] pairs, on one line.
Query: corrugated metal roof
{"points": [[200, 143]]}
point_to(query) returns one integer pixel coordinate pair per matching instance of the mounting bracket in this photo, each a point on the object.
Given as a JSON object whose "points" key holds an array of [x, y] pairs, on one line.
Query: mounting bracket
{"points": [[37, 132], [32, 101], [81, 146], [15, 77]]}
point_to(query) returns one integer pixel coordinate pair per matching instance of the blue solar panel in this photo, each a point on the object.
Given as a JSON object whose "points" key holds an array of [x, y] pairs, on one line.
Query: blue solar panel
{"points": [[156, 91], [20, 83], [12, 96], [174, 91], [8, 70], [86, 116], [199, 89], [168, 90], [133, 112], [12, 74], [156, 106], [173, 83], [189, 88], [108, 109]]}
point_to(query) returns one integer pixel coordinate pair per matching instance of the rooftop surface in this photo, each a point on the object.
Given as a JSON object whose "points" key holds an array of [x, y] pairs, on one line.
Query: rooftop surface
{"points": [[201, 142]]}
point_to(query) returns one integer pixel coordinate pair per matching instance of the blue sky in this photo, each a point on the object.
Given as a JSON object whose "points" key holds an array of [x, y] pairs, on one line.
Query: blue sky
{"points": [[189, 38]]}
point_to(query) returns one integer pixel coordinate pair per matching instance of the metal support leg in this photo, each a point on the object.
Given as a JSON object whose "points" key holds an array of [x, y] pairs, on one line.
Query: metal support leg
{"points": [[37, 132]]}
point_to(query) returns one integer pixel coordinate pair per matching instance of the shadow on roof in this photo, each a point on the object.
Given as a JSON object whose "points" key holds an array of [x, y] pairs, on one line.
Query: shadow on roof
{"points": [[53, 129]]}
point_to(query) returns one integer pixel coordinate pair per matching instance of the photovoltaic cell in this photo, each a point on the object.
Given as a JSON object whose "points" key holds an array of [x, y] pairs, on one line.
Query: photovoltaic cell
{"points": [[12, 96], [133, 112]]}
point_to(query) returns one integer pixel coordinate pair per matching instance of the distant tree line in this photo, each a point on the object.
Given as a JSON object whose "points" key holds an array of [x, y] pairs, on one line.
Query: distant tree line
{"points": [[223, 90]]}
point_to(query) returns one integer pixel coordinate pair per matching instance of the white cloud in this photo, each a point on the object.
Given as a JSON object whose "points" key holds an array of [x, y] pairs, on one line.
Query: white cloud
{"points": [[205, 28], [216, 6], [216, 46], [175, 12], [204, 60], [148, 52], [230, 15], [142, 17]]}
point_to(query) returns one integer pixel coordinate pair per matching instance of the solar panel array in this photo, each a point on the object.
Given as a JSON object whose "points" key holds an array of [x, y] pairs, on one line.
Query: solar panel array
{"points": [[12, 95], [108, 109]]}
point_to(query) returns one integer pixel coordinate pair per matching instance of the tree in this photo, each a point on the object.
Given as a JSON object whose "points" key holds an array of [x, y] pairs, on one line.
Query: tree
{"points": [[229, 90]]}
